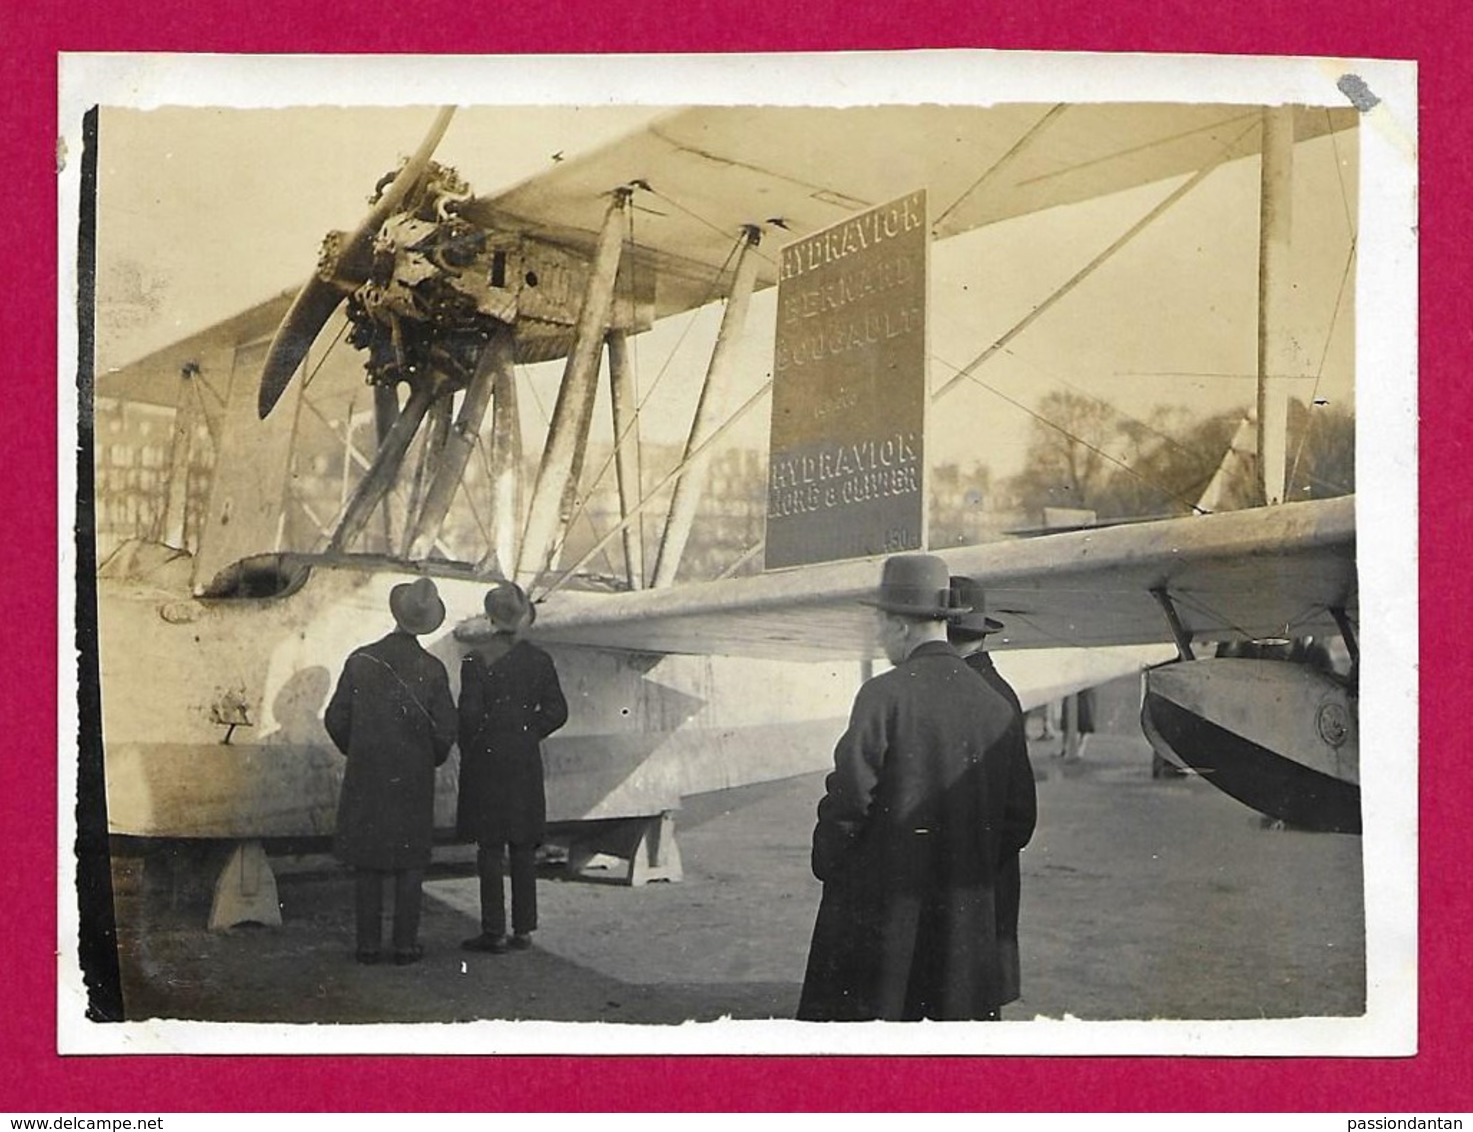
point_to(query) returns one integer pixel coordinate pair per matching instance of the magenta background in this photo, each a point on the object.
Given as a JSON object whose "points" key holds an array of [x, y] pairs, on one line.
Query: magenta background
{"points": [[34, 1078]]}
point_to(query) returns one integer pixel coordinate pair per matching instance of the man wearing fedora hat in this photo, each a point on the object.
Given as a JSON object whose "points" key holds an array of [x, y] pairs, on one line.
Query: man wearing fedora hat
{"points": [[392, 715], [911, 830], [968, 634], [510, 700]]}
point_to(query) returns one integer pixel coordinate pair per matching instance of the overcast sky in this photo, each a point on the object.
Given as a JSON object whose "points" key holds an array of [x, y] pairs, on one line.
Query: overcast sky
{"points": [[206, 211]]}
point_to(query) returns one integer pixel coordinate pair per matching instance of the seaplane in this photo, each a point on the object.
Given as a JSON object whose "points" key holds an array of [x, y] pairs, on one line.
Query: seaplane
{"points": [[216, 654]]}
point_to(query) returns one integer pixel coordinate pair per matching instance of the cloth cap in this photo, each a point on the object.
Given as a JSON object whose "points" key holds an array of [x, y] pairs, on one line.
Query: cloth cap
{"points": [[916, 585], [975, 624], [416, 606]]}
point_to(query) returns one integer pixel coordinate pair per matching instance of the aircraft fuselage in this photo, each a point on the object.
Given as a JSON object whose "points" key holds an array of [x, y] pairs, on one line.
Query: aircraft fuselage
{"points": [[212, 710]]}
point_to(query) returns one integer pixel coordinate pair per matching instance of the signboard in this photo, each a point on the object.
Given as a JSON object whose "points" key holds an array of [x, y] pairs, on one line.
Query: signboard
{"points": [[846, 477]]}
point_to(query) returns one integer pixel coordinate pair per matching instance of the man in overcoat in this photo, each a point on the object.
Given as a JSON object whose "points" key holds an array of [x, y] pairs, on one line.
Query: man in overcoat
{"points": [[911, 830], [392, 715], [968, 634], [510, 700]]}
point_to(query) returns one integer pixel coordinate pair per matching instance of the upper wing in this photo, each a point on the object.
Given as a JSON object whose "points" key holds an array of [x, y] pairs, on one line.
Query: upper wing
{"points": [[1267, 572], [711, 170], [154, 378]]}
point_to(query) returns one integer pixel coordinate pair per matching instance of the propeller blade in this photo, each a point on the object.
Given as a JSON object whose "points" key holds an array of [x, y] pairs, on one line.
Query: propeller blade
{"points": [[308, 314], [318, 298]]}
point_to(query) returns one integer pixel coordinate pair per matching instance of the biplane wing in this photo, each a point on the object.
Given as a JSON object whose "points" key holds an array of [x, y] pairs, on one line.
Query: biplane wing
{"points": [[705, 172], [798, 168], [1260, 573], [154, 378], [1281, 737], [708, 170]]}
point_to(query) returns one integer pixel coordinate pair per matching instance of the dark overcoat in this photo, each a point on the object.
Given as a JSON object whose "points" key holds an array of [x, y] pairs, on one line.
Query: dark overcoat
{"points": [[911, 831], [393, 716], [509, 702], [1021, 815]]}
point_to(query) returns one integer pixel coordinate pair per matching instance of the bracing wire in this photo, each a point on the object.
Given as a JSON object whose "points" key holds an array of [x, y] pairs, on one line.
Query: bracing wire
{"points": [[1129, 234], [1121, 464], [746, 556], [1340, 174], [1164, 437], [1002, 344], [670, 477], [469, 496], [711, 224], [327, 353], [1311, 416], [712, 290], [1029, 136]]}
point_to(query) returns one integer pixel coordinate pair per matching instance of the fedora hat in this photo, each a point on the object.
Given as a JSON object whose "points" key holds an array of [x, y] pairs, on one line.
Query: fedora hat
{"points": [[916, 585], [508, 608], [975, 623], [416, 606]]}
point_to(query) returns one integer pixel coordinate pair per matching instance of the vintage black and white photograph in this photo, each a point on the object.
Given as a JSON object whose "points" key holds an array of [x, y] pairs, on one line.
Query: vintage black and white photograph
{"points": [[680, 554]]}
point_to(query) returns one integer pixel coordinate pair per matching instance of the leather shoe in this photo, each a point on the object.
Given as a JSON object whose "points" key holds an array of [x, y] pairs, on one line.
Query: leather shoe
{"points": [[520, 942], [495, 944], [412, 955]]}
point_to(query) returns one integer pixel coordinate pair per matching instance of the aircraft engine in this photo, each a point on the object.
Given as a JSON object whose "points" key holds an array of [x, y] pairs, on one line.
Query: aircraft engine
{"points": [[438, 286]]}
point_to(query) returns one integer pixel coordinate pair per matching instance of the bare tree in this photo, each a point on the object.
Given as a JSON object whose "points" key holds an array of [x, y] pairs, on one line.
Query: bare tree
{"points": [[1084, 454], [1321, 451], [1168, 462], [1067, 463]]}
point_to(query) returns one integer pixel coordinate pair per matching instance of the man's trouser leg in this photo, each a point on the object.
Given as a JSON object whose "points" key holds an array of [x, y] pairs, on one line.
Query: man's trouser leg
{"points": [[523, 889], [493, 891], [407, 895], [369, 907]]}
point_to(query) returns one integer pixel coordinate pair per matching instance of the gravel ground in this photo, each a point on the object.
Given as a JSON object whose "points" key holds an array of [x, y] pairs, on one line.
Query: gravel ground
{"points": [[1143, 898]]}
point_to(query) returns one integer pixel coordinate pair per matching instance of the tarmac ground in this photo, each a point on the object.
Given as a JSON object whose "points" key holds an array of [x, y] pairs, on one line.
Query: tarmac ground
{"points": [[1144, 898]]}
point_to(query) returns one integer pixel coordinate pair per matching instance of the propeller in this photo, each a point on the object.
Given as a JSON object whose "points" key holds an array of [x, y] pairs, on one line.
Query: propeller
{"points": [[319, 297]]}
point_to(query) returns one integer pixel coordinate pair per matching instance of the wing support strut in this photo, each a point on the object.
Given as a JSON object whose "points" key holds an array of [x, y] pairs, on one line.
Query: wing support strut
{"points": [[1275, 291], [459, 443], [1179, 632], [1347, 634], [385, 413], [626, 451], [560, 459], [187, 415], [506, 462], [644, 504], [380, 478], [687, 497], [431, 452]]}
